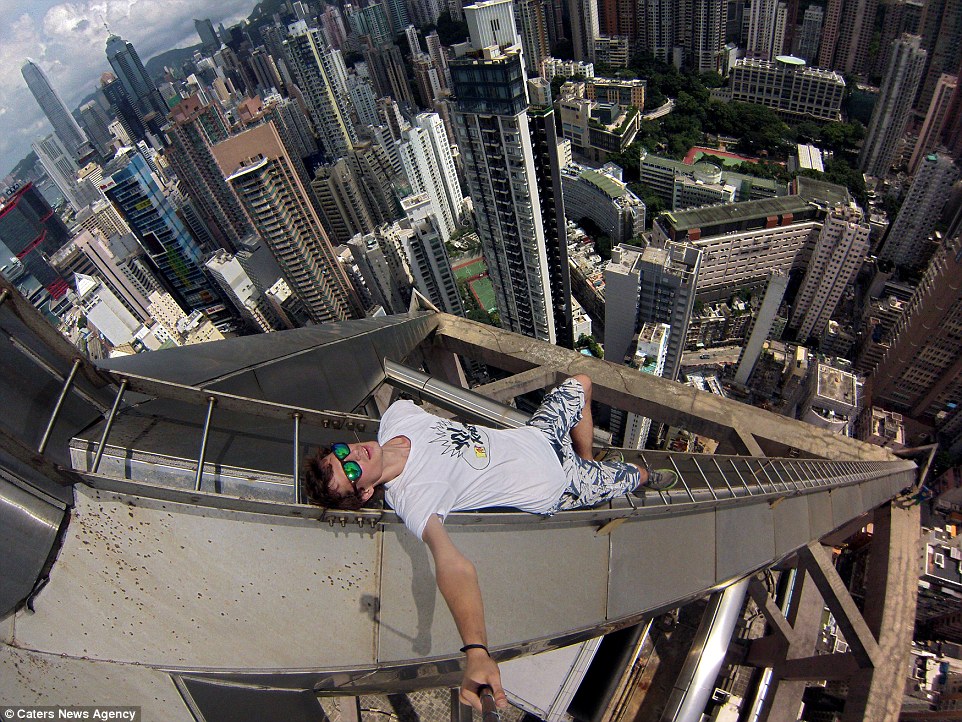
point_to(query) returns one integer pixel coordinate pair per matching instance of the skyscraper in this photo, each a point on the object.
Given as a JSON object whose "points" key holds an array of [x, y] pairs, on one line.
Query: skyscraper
{"points": [[891, 112], [32, 232], [263, 176], [547, 173], [64, 125], [935, 120], [131, 186], [344, 212], [533, 26], [319, 73], [96, 124], [907, 243], [429, 167], [842, 245], [195, 128], [707, 20], [62, 170], [941, 31], [652, 285], [660, 28], [138, 86], [207, 34], [848, 29], [584, 27], [491, 123], [765, 32], [810, 35], [920, 374]]}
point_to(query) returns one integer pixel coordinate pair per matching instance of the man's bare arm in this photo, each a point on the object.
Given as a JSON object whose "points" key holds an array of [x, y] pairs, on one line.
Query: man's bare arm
{"points": [[458, 581]]}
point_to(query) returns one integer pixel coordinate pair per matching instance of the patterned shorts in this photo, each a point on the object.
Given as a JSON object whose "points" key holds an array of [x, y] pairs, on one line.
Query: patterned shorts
{"points": [[589, 482]]}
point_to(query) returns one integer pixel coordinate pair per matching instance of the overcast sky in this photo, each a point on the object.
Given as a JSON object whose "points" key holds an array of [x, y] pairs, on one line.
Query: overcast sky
{"points": [[67, 40]]}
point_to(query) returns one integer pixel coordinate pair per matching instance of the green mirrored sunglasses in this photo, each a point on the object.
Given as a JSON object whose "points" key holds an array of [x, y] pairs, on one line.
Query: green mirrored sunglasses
{"points": [[352, 470]]}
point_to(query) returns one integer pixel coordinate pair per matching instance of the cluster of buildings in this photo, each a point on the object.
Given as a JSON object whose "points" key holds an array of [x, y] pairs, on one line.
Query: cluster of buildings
{"points": [[270, 184]]}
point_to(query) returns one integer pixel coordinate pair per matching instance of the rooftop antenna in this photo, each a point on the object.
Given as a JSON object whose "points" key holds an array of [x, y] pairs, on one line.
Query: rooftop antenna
{"points": [[106, 27]]}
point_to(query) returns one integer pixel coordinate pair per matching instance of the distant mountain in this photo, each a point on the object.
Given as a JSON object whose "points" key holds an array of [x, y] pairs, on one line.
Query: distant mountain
{"points": [[171, 58]]}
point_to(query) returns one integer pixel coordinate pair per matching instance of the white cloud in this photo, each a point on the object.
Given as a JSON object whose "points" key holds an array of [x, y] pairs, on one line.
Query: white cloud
{"points": [[68, 40]]}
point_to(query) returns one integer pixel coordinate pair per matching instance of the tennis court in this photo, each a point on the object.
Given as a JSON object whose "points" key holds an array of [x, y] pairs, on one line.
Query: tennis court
{"points": [[483, 293], [474, 267]]}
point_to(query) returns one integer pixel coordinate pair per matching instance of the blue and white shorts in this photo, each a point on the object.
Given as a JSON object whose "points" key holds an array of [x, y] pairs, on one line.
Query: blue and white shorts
{"points": [[589, 482]]}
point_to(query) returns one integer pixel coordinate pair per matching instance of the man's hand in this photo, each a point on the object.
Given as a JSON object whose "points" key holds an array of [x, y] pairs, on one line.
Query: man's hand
{"points": [[481, 670]]}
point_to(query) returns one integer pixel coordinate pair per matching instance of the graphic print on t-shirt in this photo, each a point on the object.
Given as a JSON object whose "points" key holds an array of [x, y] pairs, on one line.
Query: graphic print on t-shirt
{"points": [[463, 440]]}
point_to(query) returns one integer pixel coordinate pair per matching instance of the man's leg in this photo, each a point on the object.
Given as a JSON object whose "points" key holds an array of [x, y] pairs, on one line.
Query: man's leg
{"points": [[582, 435]]}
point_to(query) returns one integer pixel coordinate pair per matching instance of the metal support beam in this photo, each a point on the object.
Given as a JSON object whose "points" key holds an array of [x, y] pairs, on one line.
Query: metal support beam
{"points": [[660, 399], [890, 597], [859, 637], [820, 666], [504, 390]]}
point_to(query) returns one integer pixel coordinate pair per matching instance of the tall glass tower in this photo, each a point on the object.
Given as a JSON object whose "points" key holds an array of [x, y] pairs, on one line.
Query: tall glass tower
{"points": [[138, 86], [492, 127], [133, 189], [64, 125]]}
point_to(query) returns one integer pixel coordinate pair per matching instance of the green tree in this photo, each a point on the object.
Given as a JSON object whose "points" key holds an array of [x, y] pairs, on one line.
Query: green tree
{"points": [[450, 31]]}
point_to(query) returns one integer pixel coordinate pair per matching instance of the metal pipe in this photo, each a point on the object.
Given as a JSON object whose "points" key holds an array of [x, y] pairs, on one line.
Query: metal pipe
{"points": [[203, 443], [489, 710], [697, 678], [467, 404], [297, 458], [56, 409], [108, 425]]}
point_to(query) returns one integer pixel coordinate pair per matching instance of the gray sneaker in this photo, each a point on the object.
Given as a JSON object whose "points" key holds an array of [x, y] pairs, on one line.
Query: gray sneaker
{"points": [[611, 455], [660, 479]]}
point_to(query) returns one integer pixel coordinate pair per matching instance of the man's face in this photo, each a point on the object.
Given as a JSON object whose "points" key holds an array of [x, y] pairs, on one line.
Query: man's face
{"points": [[368, 456]]}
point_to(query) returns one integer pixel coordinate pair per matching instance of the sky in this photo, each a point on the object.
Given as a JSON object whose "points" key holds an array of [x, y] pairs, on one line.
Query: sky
{"points": [[68, 40]]}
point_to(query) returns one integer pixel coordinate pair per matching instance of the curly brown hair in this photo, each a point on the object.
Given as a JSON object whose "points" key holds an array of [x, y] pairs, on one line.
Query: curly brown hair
{"points": [[316, 483]]}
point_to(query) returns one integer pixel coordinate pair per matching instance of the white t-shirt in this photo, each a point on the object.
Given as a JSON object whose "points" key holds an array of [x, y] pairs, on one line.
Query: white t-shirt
{"points": [[454, 466]]}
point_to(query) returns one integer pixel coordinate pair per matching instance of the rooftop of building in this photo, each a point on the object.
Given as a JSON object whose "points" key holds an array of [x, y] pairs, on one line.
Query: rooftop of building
{"points": [[837, 385], [809, 192]]}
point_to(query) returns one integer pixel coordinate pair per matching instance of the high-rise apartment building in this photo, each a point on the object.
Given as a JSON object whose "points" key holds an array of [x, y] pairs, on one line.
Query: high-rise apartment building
{"points": [[195, 129], [651, 352], [907, 243], [262, 174], [343, 210], [893, 107], [147, 101], [548, 167], [132, 187], [64, 125], [651, 285], [492, 127], [920, 374], [584, 28], [378, 257], [935, 120], [842, 245], [660, 23], [431, 267], [89, 252], [788, 86], [430, 169], [941, 31], [62, 169], [847, 33], [766, 29], [810, 35], [704, 38], [319, 73], [244, 292], [31, 232], [898, 17], [533, 26]]}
